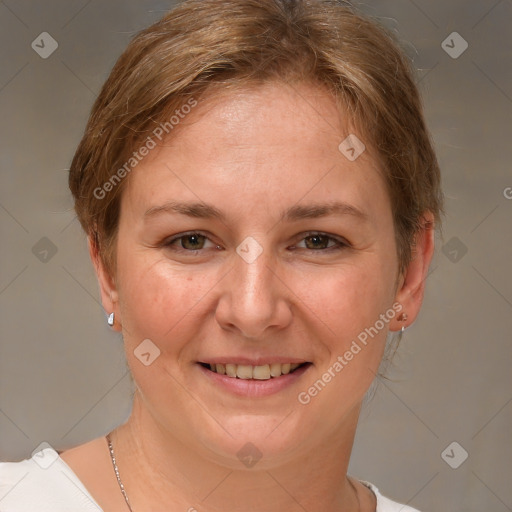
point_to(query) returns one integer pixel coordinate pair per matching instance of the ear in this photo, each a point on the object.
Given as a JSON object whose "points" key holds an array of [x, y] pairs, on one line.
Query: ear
{"points": [[108, 290], [411, 286]]}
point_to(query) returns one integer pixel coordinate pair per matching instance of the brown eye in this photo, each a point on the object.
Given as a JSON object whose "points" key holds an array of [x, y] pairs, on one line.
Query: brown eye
{"points": [[317, 241], [321, 242], [192, 242], [187, 242]]}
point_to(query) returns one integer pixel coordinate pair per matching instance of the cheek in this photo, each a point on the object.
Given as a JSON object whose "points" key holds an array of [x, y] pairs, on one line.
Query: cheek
{"points": [[354, 308], [158, 300], [350, 309], [349, 298], [156, 297]]}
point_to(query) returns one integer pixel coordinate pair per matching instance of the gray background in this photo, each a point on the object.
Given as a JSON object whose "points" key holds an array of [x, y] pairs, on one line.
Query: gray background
{"points": [[63, 378]]}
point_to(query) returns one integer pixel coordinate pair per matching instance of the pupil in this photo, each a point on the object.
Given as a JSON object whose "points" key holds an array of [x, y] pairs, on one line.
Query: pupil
{"points": [[195, 241], [317, 240]]}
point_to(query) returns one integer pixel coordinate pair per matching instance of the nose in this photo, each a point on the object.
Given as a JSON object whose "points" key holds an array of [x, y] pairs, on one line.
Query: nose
{"points": [[254, 298]]}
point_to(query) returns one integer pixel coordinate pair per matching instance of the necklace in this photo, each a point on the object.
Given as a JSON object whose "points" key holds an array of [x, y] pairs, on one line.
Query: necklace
{"points": [[116, 470], [121, 486]]}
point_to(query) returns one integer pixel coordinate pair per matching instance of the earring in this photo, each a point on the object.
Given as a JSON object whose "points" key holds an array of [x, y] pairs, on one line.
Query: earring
{"points": [[110, 319], [402, 318]]}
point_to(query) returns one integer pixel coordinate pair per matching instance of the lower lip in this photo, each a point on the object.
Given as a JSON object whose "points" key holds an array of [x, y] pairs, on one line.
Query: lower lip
{"points": [[254, 388]]}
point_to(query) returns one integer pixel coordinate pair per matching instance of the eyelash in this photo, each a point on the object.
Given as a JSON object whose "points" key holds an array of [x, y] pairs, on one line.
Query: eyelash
{"points": [[340, 243]]}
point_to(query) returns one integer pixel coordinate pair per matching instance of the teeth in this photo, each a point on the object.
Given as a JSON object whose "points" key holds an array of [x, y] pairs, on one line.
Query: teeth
{"points": [[244, 371], [263, 372], [231, 370], [275, 369]]}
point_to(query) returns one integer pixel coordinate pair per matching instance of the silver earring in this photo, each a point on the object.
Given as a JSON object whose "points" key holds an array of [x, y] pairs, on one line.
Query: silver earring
{"points": [[402, 318], [110, 319]]}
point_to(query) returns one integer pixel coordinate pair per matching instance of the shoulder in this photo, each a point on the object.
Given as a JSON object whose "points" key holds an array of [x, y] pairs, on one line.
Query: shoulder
{"points": [[385, 504], [44, 483]]}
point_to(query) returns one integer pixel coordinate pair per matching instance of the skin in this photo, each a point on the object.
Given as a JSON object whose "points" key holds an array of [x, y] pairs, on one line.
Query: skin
{"points": [[251, 154]]}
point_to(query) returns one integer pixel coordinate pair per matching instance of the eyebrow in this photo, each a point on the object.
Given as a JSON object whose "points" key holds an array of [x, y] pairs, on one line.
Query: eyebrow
{"points": [[294, 213]]}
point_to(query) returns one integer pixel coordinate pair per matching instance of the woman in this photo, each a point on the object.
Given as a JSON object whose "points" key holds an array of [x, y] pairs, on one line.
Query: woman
{"points": [[259, 193]]}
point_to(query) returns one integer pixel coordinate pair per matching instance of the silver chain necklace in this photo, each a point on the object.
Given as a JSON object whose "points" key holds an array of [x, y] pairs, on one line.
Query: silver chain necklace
{"points": [[113, 457], [121, 486]]}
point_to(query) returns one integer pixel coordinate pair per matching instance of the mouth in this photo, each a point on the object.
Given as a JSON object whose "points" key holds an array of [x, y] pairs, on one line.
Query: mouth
{"points": [[249, 372]]}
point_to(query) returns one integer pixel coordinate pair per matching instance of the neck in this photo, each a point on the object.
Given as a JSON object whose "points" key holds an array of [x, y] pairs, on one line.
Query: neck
{"points": [[157, 469]]}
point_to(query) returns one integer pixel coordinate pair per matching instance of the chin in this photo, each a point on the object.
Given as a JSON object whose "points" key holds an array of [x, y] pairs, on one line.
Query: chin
{"points": [[259, 441]]}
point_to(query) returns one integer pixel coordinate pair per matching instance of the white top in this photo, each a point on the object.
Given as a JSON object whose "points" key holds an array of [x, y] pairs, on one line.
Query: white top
{"points": [[45, 483]]}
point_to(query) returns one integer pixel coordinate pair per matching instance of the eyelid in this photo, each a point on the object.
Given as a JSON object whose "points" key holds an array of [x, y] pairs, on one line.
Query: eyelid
{"points": [[341, 242], [171, 240]]}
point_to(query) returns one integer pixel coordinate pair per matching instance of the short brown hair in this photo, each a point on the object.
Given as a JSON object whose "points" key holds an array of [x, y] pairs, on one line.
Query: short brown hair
{"points": [[203, 43]]}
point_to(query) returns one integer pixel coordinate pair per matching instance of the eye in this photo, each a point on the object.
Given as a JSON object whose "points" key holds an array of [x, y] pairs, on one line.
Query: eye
{"points": [[322, 242], [194, 241], [188, 242]]}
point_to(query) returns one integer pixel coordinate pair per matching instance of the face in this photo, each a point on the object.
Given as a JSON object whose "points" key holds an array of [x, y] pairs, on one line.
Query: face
{"points": [[250, 242]]}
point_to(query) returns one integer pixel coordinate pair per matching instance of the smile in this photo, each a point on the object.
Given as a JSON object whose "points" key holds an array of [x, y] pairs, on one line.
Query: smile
{"points": [[248, 372]]}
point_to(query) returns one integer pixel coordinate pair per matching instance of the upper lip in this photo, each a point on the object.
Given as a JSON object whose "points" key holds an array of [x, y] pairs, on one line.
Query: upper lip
{"points": [[251, 361]]}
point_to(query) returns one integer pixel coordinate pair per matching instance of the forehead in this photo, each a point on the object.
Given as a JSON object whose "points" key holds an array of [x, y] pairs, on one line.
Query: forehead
{"points": [[273, 114], [276, 140]]}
